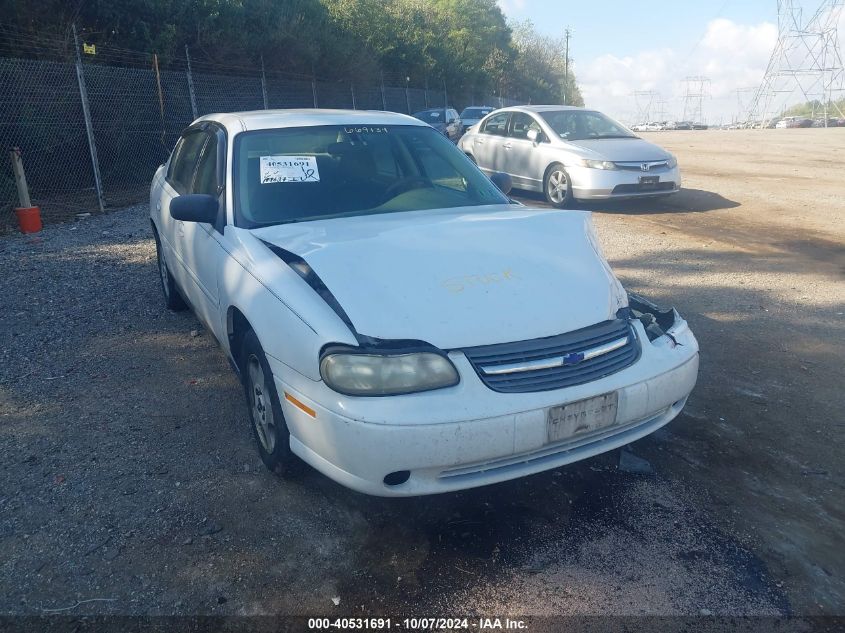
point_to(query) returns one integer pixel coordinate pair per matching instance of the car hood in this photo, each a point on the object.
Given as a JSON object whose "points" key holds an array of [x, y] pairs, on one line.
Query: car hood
{"points": [[458, 278], [621, 149]]}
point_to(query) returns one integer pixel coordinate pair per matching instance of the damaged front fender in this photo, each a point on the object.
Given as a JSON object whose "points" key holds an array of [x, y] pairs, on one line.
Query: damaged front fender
{"points": [[656, 321]]}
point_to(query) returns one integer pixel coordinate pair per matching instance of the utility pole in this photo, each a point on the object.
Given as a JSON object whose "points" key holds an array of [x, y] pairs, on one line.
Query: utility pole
{"points": [[566, 35]]}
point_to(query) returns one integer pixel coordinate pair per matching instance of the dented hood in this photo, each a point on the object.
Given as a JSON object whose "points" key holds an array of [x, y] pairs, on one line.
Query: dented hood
{"points": [[459, 277]]}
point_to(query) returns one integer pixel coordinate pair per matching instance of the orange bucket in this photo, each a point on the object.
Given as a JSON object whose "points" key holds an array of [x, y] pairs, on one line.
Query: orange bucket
{"points": [[29, 219]]}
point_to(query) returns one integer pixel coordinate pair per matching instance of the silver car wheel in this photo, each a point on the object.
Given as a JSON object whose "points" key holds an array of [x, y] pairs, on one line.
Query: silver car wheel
{"points": [[162, 271], [262, 408], [558, 186]]}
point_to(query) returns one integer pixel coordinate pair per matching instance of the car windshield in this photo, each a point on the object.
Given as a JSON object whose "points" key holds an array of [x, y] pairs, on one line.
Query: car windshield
{"points": [[579, 125], [431, 116], [307, 173], [475, 113]]}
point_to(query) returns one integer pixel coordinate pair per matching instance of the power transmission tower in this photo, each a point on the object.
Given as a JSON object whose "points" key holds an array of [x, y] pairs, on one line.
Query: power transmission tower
{"points": [[697, 89], [742, 99], [644, 101], [806, 64]]}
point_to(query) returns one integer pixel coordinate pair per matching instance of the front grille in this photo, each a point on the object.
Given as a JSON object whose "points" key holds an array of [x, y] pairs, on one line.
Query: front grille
{"points": [[660, 186], [659, 165], [558, 361]]}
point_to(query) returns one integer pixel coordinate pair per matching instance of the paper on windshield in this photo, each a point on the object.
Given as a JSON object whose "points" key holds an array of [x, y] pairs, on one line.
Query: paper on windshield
{"points": [[289, 169]]}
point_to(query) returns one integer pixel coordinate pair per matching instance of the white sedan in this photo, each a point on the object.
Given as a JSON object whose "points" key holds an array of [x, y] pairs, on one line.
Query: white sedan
{"points": [[396, 321], [570, 154]]}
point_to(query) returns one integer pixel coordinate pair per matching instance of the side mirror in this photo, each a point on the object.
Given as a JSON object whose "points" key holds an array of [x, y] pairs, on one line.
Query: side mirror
{"points": [[502, 181], [534, 136], [195, 207]]}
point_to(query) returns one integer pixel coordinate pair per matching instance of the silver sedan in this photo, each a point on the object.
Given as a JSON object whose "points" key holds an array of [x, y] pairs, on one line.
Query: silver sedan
{"points": [[570, 153]]}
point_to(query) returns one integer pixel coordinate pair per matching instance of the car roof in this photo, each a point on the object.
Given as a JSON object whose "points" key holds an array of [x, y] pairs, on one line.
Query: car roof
{"points": [[545, 108], [236, 122]]}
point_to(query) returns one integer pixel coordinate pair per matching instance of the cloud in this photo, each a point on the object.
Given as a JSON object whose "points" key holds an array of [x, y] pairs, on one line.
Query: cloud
{"points": [[509, 7], [733, 56]]}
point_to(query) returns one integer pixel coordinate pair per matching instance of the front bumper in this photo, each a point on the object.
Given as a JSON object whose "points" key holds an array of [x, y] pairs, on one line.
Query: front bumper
{"points": [[468, 435], [600, 184]]}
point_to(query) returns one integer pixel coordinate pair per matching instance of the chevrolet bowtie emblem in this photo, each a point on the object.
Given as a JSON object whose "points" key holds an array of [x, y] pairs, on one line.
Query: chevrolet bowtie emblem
{"points": [[573, 358]]}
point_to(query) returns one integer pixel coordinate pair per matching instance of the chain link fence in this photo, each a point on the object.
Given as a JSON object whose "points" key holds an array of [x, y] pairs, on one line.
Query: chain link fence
{"points": [[91, 134]]}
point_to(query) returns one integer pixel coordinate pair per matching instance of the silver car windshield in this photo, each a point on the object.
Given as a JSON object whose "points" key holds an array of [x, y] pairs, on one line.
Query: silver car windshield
{"points": [[431, 116], [579, 125], [475, 113], [308, 173]]}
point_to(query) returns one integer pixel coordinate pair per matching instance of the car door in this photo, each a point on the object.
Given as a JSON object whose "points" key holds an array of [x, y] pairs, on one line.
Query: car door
{"points": [[198, 241], [178, 180], [522, 158], [487, 146]]}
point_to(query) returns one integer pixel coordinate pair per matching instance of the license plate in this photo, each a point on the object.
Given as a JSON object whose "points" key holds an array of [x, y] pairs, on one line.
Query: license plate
{"points": [[583, 416], [649, 182]]}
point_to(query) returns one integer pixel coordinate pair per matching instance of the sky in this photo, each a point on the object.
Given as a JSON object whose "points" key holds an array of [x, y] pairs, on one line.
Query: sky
{"points": [[620, 47]]}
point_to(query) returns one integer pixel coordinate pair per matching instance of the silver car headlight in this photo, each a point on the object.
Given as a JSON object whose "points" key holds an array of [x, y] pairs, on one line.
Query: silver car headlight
{"points": [[598, 164], [672, 162], [357, 374]]}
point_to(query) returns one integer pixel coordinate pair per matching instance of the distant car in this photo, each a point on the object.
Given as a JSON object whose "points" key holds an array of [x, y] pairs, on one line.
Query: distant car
{"points": [[794, 122], [699, 126], [651, 126], [444, 120], [683, 125], [473, 114], [570, 153]]}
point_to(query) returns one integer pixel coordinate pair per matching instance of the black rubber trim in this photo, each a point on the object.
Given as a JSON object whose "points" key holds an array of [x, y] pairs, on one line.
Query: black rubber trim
{"points": [[304, 270]]}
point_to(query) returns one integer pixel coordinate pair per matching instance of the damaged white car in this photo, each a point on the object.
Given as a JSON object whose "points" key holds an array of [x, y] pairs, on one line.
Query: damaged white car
{"points": [[397, 322]]}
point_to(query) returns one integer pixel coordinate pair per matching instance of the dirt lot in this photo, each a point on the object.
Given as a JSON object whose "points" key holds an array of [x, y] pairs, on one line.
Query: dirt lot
{"points": [[129, 483]]}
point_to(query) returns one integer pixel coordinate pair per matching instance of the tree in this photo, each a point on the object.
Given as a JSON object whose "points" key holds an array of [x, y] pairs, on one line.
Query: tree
{"points": [[540, 68]]}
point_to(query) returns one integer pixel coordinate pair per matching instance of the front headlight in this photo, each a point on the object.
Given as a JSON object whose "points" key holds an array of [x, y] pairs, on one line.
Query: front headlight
{"points": [[385, 375], [672, 162], [597, 164]]}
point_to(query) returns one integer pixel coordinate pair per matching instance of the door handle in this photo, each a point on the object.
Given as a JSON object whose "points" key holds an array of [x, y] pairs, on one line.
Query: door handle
{"points": [[158, 206], [507, 146]]}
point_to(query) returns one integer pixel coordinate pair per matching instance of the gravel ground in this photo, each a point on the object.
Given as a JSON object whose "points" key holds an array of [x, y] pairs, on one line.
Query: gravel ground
{"points": [[129, 483]]}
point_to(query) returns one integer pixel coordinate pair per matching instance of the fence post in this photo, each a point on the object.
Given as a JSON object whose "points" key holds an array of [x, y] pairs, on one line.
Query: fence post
{"points": [[407, 98], [314, 91], [191, 85], [352, 88], [263, 84], [89, 127], [383, 99]]}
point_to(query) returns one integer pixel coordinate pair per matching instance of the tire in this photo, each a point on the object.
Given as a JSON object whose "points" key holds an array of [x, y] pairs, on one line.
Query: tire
{"points": [[172, 297], [265, 410], [555, 178]]}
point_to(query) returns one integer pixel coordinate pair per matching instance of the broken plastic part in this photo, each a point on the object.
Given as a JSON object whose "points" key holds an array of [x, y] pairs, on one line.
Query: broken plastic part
{"points": [[656, 320]]}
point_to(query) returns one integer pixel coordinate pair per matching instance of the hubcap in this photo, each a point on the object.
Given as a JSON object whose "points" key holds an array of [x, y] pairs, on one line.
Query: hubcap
{"points": [[162, 271], [262, 409], [558, 186]]}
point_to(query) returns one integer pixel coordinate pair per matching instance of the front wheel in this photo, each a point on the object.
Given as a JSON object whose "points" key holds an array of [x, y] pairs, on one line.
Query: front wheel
{"points": [[557, 186], [172, 299], [265, 410]]}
